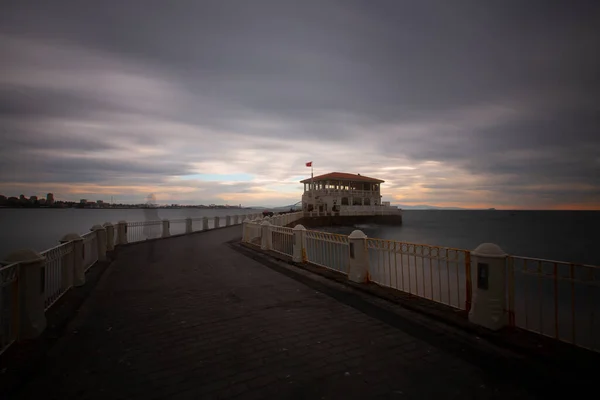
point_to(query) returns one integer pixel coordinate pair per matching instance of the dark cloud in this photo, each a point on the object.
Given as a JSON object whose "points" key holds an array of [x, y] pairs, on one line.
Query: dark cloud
{"points": [[503, 95]]}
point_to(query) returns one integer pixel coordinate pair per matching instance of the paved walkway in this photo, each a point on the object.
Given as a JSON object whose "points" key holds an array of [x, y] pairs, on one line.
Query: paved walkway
{"points": [[190, 317]]}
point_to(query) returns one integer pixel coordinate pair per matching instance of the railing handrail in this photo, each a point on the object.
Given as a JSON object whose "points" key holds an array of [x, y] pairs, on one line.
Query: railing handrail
{"points": [[554, 261], [417, 244], [58, 247]]}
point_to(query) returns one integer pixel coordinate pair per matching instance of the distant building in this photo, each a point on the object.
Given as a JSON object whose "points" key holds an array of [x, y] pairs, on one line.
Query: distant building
{"points": [[50, 199], [33, 199], [83, 201], [42, 201], [23, 199]]}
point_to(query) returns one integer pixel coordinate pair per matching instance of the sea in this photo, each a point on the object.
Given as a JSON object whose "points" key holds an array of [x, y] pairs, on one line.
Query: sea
{"points": [[571, 236]]}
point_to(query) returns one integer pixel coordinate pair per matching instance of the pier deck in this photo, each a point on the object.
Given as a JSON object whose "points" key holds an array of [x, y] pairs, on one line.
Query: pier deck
{"points": [[192, 318]]}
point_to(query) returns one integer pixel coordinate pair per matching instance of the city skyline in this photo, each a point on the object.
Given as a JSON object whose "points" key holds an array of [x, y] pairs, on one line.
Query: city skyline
{"points": [[468, 104]]}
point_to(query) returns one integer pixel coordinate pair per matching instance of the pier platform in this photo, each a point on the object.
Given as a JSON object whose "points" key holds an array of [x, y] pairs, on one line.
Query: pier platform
{"points": [[194, 317]]}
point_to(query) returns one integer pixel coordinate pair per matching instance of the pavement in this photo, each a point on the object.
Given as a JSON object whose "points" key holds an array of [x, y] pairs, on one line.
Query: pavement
{"points": [[191, 317]]}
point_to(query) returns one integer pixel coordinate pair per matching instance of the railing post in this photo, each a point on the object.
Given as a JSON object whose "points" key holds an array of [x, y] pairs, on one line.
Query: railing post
{"points": [[32, 317], [245, 231], [358, 268], [188, 225], [216, 222], [204, 223], [299, 254], [100, 241], [165, 228], [227, 220], [77, 270], [265, 236], [122, 232], [489, 287], [110, 236], [235, 219]]}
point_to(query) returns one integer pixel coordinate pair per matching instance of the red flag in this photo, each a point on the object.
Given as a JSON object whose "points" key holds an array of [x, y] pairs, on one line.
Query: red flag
{"points": [[309, 164]]}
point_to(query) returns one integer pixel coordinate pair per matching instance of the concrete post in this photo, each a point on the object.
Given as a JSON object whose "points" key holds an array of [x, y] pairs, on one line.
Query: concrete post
{"points": [[227, 220], [216, 222], [299, 254], [265, 236], [245, 231], [32, 318], [235, 219], [165, 228], [100, 241], [188, 225], [76, 270], [489, 287], [122, 232], [110, 236], [204, 223], [358, 268]]}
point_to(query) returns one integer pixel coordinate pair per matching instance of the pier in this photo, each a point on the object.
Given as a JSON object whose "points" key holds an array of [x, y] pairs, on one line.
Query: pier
{"points": [[249, 308]]}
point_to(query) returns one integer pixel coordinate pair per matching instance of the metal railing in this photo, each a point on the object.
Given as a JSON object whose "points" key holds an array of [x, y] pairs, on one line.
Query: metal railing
{"points": [[90, 250], [197, 224], [440, 274], [252, 233], [556, 299], [177, 226], [56, 266], [282, 240], [142, 230], [327, 250], [9, 305]]}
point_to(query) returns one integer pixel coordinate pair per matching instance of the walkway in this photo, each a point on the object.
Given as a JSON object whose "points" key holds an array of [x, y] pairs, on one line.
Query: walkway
{"points": [[190, 317]]}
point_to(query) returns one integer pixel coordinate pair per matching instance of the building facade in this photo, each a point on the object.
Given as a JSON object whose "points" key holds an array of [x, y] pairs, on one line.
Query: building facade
{"points": [[339, 192]]}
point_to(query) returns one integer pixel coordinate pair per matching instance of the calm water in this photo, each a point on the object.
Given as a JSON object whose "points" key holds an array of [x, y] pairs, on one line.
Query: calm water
{"points": [[558, 235], [40, 229]]}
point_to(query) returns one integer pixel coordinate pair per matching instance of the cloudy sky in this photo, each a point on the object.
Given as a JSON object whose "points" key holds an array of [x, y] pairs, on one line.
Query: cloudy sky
{"points": [[452, 103]]}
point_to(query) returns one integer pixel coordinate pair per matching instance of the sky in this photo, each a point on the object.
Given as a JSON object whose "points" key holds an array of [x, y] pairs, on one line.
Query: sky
{"points": [[452, 103]]}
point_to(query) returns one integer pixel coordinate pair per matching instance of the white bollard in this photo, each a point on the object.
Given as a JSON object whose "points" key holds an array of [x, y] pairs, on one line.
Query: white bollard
{"points": [[77, 271], [266, 242], [32, 317], [101, 241], [299, 254], [165, 228], [358, 268], [204, 223], [110, 236], [216, 222], [489, 287], [122, 232], [188, 225], [227, 220]]}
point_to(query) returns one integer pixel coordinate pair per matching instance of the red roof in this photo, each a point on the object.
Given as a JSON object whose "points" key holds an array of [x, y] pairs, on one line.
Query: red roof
{"points": [[342, 176]]}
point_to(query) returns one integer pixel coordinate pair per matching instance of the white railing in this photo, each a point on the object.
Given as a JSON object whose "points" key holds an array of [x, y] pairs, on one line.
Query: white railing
{"points": [[197, 224], [327, 250], [282, 240], [440, 274], [556, 299], [177, 226], [9, 305], [90, 249], [350, 211], [143, 230], [55, 284]]}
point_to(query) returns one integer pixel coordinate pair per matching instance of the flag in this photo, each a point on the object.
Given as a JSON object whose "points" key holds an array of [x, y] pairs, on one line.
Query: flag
{"points": [[309, 164]]}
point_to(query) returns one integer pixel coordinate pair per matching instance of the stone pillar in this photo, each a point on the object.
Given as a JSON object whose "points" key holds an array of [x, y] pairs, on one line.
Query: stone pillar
{"points": [[235, 220], [489, 287], [216, 222], [358, 268], [32, 317], [188, 225], [122, 232], [110, 236], [245, 231], [76, 270], [165, 228], [227, 220], [299, 254], [100, 241], [266, 242], [204, 223]]}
